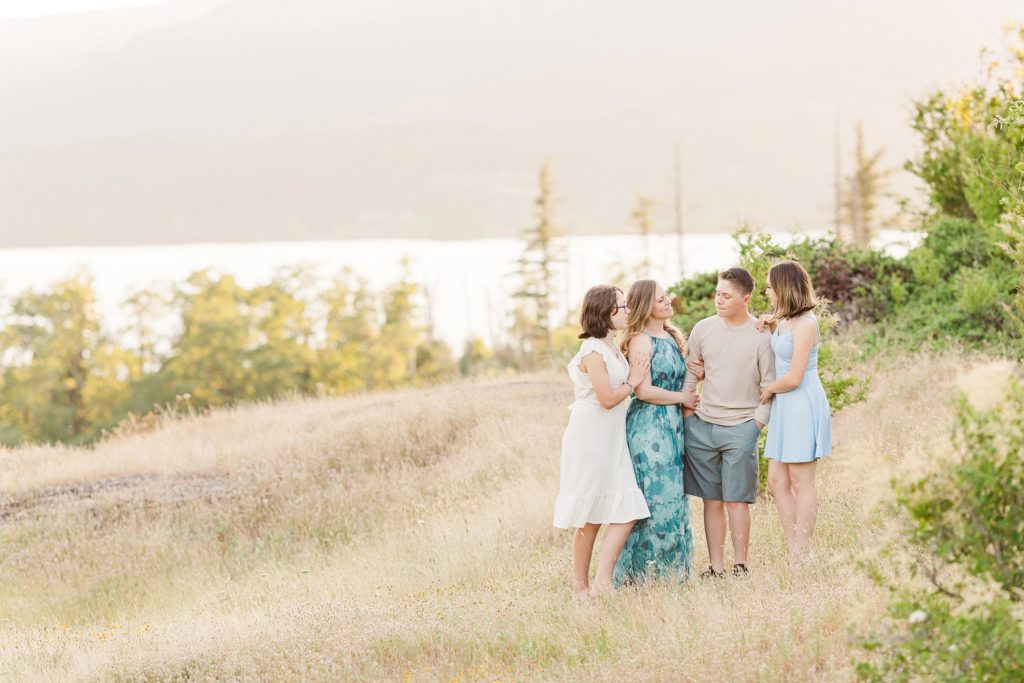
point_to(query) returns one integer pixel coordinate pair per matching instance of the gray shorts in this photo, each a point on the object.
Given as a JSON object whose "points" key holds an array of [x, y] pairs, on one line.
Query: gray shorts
{"points": [[721, 462]]}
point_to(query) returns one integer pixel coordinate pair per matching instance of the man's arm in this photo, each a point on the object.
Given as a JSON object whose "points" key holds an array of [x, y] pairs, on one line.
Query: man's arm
{"points": [[693, 352], [766, 371]]}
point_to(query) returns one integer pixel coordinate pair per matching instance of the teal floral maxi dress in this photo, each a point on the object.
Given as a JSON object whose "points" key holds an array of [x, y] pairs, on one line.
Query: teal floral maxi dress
{"points": [[662, 545]]}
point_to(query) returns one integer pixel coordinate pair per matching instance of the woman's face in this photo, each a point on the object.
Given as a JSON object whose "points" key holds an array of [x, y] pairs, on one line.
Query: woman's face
{"points": [[621, 313], [772, 297], [662, 305]]}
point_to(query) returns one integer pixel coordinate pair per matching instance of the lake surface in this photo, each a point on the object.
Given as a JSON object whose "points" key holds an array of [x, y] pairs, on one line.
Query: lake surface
{"points": [[469, 282]]}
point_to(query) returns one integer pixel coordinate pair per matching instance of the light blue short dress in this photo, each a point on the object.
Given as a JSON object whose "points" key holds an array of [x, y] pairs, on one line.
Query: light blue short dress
{"points": [[800, 426]]}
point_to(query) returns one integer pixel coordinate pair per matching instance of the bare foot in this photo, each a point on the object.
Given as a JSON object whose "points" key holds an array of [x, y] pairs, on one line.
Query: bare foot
{"points": [[581, 595], [601, 588], [801, 555]]}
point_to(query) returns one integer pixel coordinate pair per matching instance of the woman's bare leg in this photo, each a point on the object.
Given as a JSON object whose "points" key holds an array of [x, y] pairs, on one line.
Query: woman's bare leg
{"points": [[802, 475], [611, 547], [781, 486], [582, 552]]}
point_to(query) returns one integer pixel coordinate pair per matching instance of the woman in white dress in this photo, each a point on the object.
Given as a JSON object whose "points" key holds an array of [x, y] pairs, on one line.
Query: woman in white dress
{"points": [[597, 484]]}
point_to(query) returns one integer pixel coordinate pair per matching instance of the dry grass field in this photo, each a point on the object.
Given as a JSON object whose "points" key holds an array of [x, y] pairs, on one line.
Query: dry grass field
{"points": [[407, 536]]}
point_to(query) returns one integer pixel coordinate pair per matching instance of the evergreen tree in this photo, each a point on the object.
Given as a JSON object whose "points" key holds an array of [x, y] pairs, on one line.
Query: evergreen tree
{"points": [[642, 222], [542, 256], [860, 221]]}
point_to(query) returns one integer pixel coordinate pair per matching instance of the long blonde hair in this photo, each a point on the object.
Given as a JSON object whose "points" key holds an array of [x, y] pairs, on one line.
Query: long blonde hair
{"points": [[640, 300]]}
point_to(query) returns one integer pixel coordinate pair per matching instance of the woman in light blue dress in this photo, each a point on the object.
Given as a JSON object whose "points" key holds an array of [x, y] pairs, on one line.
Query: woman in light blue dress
{"points": [[800, 426], [661, 545]]}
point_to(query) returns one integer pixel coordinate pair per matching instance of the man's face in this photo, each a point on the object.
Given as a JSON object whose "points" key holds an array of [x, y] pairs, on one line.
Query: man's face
{"points": [[730, 302]]}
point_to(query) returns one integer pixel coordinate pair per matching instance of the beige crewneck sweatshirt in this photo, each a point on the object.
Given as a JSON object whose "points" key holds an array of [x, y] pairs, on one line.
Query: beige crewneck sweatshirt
{"points": [[738, 363]]}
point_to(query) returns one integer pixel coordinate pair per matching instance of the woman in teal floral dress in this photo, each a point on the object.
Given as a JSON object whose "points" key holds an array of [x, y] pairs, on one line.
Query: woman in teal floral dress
{"points": [[662, 545]]}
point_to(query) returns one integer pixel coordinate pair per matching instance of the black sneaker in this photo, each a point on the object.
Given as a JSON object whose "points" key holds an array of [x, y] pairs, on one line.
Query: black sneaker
{"points": [[712, 574], [739, 570]]}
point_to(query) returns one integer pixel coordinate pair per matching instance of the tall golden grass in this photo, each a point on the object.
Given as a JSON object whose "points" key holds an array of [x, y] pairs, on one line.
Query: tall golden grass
{"points": [[407, 536]]}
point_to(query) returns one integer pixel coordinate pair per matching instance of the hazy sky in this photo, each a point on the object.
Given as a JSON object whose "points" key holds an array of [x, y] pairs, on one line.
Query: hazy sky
{"points": [[42, 8], [265, 119]]}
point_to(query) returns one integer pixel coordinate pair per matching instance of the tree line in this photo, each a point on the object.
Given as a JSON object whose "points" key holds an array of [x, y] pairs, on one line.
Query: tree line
{"points": [[65, 378]]}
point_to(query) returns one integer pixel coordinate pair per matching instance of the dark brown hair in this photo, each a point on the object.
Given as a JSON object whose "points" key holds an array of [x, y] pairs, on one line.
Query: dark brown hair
{"points": [[596, 315], [739, 277], [793, 289]]}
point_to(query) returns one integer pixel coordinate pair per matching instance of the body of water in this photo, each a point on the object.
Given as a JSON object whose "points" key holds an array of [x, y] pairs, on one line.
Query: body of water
{"points": [[468, 283]]}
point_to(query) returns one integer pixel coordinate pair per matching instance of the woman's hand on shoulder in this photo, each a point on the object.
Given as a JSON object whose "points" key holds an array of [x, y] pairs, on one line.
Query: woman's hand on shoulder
{"points": [[765, 321]]}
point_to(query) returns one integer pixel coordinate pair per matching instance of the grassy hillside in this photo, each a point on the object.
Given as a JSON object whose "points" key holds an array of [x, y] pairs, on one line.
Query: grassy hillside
{"points": [[407, 536]]}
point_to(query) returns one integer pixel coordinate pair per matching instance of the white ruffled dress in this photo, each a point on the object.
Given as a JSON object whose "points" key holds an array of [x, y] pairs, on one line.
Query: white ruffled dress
{"points": [[597, 483]]}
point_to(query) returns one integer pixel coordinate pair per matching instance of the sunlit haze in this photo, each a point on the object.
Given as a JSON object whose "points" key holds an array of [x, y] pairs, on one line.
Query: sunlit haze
{"points": [[227, 120]]}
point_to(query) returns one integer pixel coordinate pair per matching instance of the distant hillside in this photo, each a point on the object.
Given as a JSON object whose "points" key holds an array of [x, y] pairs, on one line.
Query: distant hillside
{"points": [[207, 120]]}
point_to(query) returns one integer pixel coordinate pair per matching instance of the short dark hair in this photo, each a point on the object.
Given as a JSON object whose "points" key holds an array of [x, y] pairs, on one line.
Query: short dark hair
{"points": [[739, 277], [596, 313]]}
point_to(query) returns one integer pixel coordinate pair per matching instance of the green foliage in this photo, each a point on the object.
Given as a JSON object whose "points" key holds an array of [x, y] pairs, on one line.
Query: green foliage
{"points": [[62, 373], [858, 284], [478, 359], [972, 159], [956, 132], [948, 646], [962, 287], [63, 379], [968, 622], [694, 299]]}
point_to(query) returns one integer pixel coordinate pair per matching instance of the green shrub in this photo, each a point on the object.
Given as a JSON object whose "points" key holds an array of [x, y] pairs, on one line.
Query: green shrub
{"points": [[695, 299], [983, 294], [967, 621]]}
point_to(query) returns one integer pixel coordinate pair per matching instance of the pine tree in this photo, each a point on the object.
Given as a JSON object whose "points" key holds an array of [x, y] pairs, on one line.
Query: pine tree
{"points": [[642, 221], [861, 194], [542, 256]]}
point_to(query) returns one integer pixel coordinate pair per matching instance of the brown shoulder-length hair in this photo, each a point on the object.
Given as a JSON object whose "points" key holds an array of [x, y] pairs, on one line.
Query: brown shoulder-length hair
{"points": [[596, 314], [640, 300], [793, 289]]}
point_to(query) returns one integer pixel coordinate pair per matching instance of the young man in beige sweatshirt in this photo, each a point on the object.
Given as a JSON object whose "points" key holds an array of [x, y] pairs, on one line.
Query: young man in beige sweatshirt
{"points": [[721, 437]]}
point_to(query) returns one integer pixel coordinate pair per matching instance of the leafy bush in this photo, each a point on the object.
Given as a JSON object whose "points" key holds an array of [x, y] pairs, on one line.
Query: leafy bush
{"points": [[972, 159], [961, 286], [966, 161], [967, 621], [859, 284], [694, 299]]}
